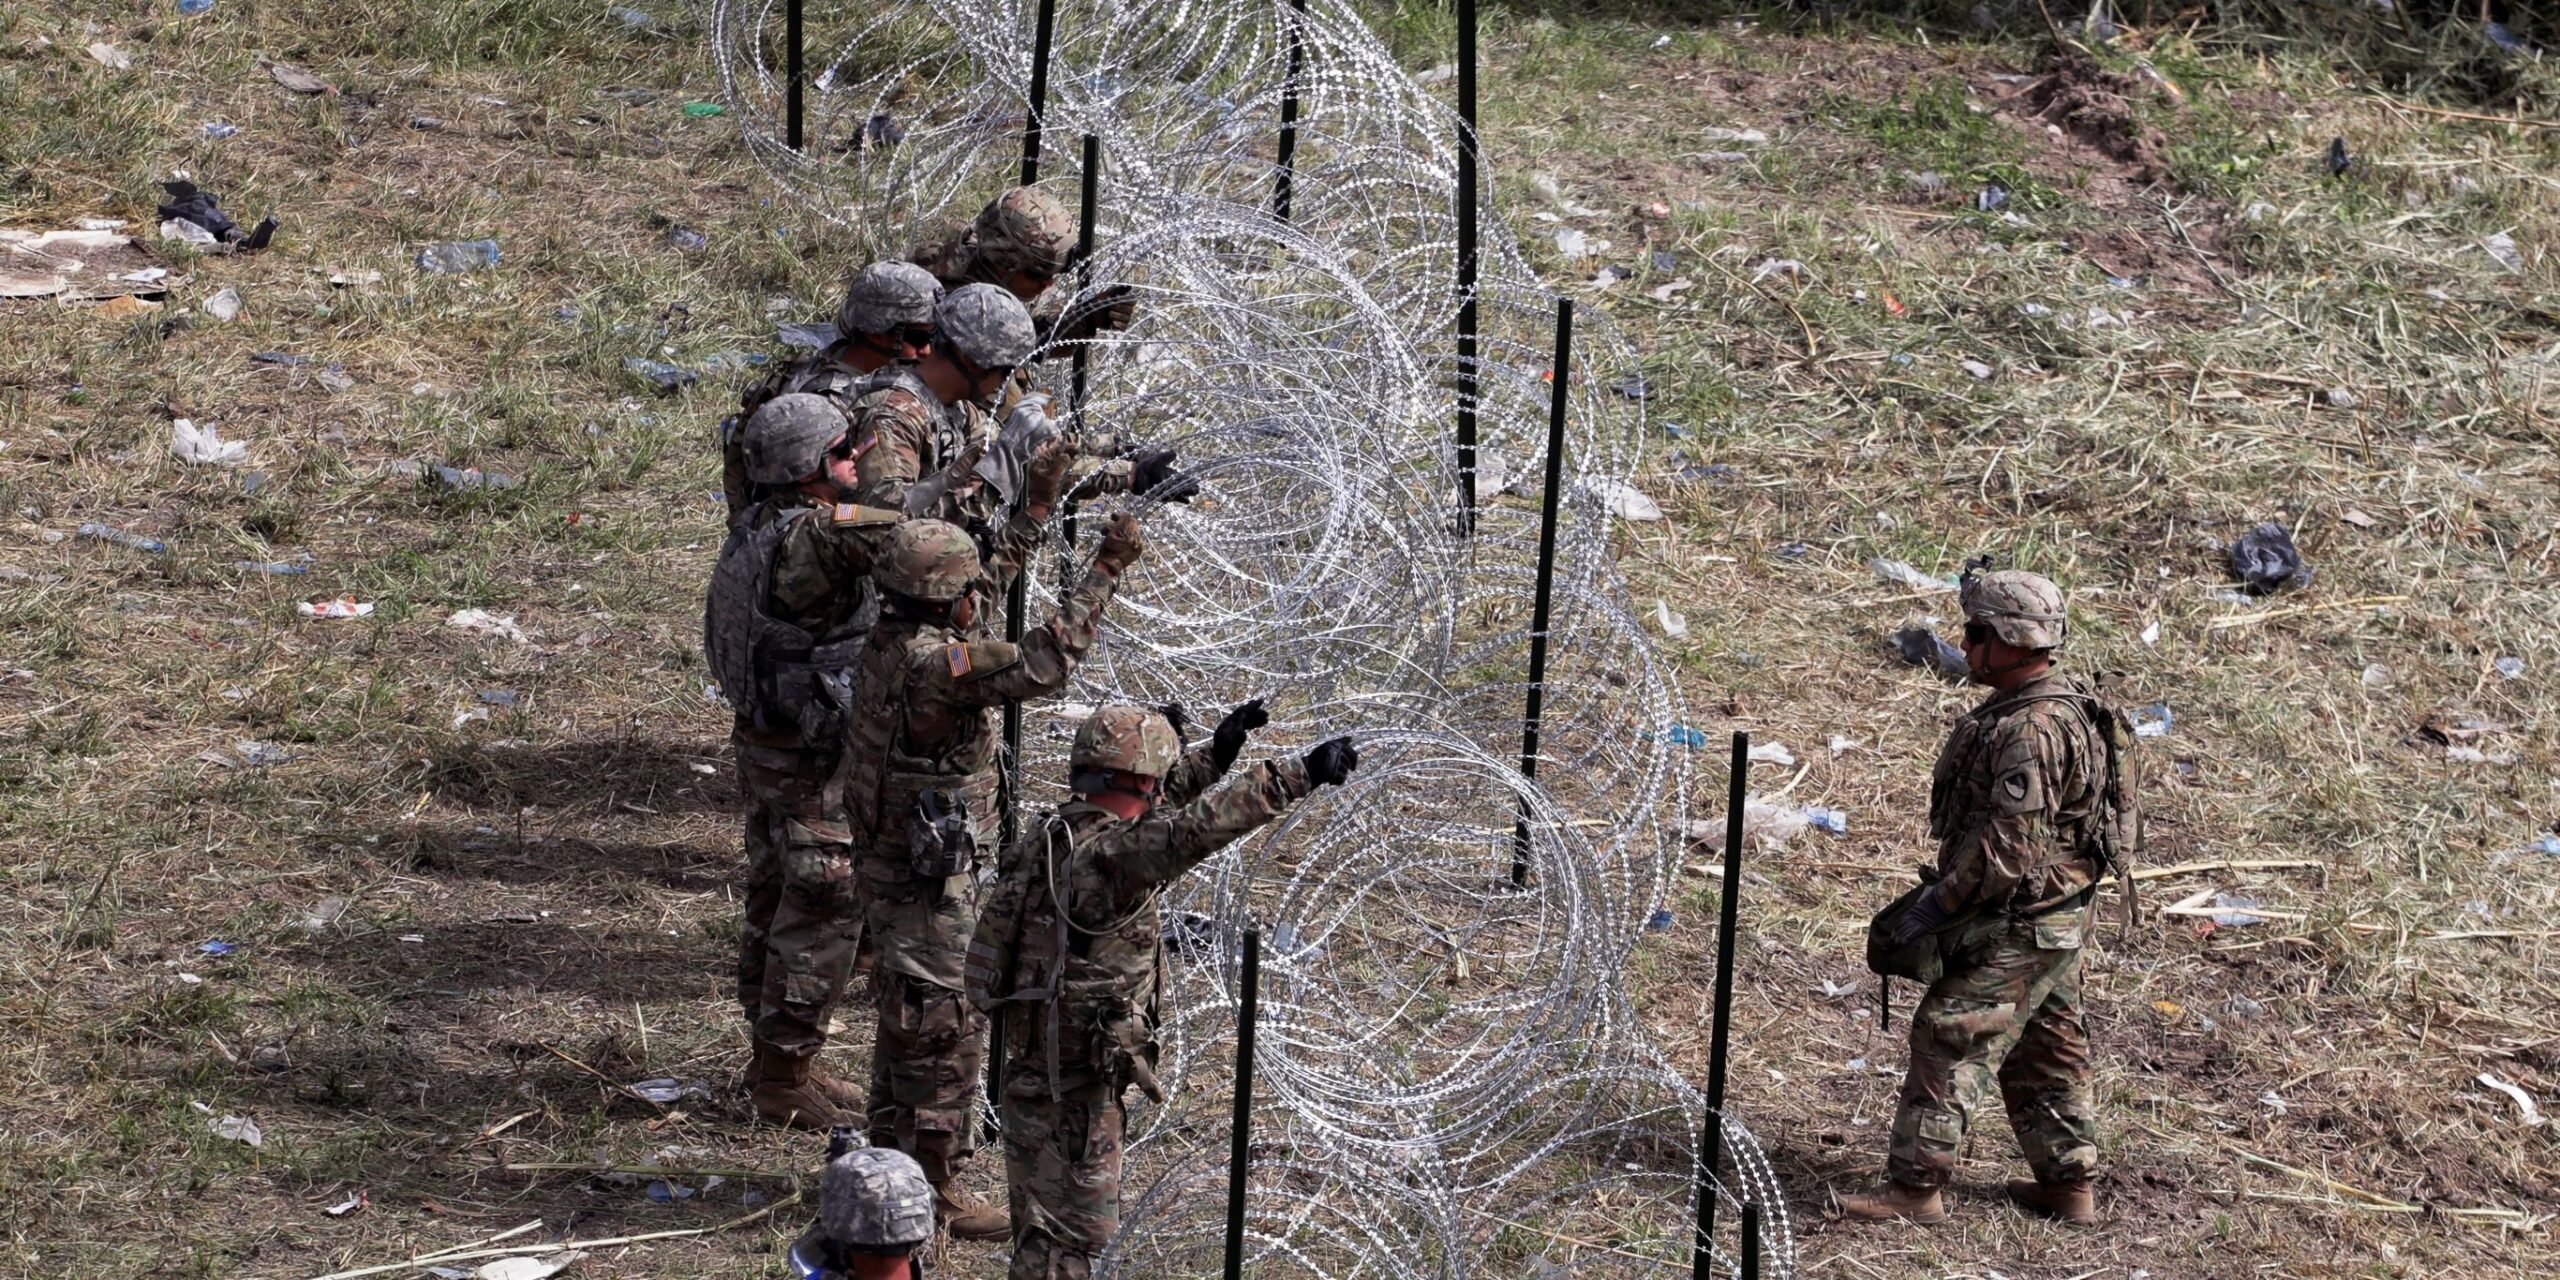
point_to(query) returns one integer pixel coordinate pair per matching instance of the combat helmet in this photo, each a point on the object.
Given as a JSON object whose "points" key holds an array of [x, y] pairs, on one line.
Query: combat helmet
{"points": [[787, 438], [886, 297], [2022, 608], [1025, 229], [1127, 738], [986, 326], [875, 1200], [933, 561]]}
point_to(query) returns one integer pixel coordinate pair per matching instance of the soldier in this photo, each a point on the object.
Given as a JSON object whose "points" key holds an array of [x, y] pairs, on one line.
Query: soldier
{"points": [[920, 788], [1071, 931], [788, 608], [886, 319], [2030, 802], [924, 442], [875, 1210]]}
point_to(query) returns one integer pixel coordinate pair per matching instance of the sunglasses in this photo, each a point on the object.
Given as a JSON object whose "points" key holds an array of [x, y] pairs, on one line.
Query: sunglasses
{"points": [[915, 336], [1977, 633], [843, 448]]}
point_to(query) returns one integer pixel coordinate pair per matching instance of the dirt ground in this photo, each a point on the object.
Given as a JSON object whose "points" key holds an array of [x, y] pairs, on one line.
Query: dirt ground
{"points": [[418, 899]]}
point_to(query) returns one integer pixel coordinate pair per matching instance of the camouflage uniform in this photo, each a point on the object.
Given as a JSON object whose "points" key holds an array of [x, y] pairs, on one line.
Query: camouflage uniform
{"points": [[2016, 806], [1089, 975], [872, 1205], [881, 298], [923, 723]]}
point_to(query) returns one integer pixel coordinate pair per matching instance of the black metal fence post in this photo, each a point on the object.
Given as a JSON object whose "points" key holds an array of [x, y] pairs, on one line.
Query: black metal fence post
{"points": [[1284, 187], [1750, 1240], [794, 74], [1240, 1136], [1711, 1147], [1040, 44], [1466, 268], [1542, 613], [1088, 207]]}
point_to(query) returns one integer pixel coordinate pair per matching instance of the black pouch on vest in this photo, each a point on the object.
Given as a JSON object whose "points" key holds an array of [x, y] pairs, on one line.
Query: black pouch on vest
{"points": [[939, 841]]}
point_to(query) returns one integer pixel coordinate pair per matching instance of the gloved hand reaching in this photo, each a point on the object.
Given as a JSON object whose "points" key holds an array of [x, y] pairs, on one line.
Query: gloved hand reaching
{"points": [[1228, 742], [1122, 544], [1332, 761], [1153, 476]]}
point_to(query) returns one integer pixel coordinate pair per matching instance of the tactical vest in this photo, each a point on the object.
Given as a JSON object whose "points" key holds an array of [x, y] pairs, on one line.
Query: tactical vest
{"points": [[1093, 991], [2099, 821], [888, 762], [781, 678]]}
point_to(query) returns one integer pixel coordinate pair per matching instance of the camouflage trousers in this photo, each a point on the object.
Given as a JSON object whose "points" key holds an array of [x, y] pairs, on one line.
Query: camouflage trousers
{"points": [[929, 1043], [803, 918], [2014, 1003], [1061, 1172]]}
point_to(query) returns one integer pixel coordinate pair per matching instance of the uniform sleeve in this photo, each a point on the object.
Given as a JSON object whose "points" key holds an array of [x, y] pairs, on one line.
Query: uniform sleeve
{"points": [[987, 673], [1153, 850], [891, 432], [1194, 773], [2015, 829], [825, 558]]}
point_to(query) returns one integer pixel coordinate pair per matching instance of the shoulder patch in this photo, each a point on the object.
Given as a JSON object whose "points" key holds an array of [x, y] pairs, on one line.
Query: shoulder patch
{"points": [[855, 515], [2015, 784], [958, 656]]}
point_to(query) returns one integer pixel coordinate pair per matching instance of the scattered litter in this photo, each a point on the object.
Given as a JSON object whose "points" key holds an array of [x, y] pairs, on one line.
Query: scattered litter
{"points": [[499, 698], [185, 232], [1663, 260], [1633, 387], [1975, 369], [1922, 647], [528, 1268], [2273, 1102], [1793, 550], [1898, 572], [1610, 275], [2499, 35], [706, 770], [1839, 744], [1927, 182], [665, 377], [240, 1129], [1827, 820], [324, 913], [2151, 632], [224, 306], [218, 130], [346, 1206], [2502, 249], [1748, 137], [1188, 932], [204, 445], [110, 57], [1991, 199], [2339, 398], [2547, 846], [1772, 753], [2235, 911], [687, 239], [631, 17], [814, 336], [281, 359], [883, 130], [2153, 721], [1682, 735], [216, 946], [1715, 472], [2243, 1008], [1768, 267], [469, 478], [2266, 559], [342, 607], [2524, 1101], [2458, 754], [1765, 825], [1834, 990], [1622, 500], [426, 124], [109, 533], [350, 279], [2377, 676], [1896, 308], [1436, 75], [493, 624], [1672, 624], [1671, 290], [194, 206], [665, 1192], [1658, 921], [1572, 243], [334, 380], [703, 110], [671, 1090], [297, 80], [452, 257], [2511, 668], [2340, 159]]}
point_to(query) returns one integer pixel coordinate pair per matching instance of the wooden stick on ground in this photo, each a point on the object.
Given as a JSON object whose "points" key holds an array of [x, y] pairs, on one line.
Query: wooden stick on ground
{"points": [[2228, 621], [2245, 864], [563, 1246]]}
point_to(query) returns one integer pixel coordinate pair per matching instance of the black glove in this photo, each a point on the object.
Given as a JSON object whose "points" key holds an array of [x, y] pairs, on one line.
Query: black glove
{"points": [[1228, 742], [1923, 917], [1154, 477], [1172, 713], [1332, 761]]}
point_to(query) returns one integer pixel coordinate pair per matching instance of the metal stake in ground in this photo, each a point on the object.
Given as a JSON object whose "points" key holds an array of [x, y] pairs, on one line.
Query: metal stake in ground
{"points": [[1040, 43], [1284, 186], [1240, 1135], [793, 74], [1750, 1240], [1089, 203], [1466, 268], [1711, 1146], [1541, 613]]}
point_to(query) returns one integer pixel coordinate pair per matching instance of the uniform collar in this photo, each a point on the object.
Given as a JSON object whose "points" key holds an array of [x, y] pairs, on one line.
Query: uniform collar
{"points": [[2052, 681]]}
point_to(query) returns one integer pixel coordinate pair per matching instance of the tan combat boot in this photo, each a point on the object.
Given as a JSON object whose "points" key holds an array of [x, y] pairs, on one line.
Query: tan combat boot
{"points": [[849, 1097], [1894, 1200], [2072, 1202], [785, 1093], [966, 1216]]}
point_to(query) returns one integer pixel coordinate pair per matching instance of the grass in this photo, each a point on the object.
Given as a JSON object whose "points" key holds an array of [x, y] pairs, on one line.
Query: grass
{"points": [[2108, 455]]}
